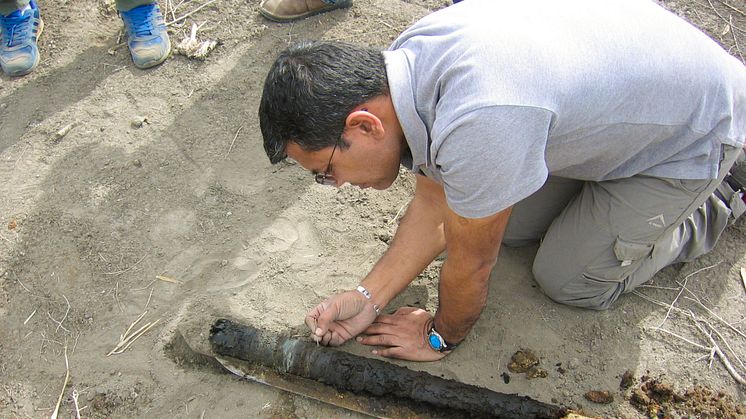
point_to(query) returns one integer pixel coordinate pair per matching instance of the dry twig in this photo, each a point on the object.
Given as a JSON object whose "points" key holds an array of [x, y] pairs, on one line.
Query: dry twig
{"points": [[721, 355], [735, 38], [75, 403], [178, 19], [168, 279], [126, 270], [234, 141], [733, 28], [681, 290], [64, 385], [29, 317], [128, 338], [740, 12], [59, 323]]}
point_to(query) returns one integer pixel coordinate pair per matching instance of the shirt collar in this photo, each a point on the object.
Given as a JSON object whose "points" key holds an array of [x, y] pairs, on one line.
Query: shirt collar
{"points": [[398, 71]]}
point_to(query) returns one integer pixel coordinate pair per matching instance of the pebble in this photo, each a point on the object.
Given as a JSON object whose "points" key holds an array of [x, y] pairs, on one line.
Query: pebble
{"points": [[138, 121], [137, 163]]}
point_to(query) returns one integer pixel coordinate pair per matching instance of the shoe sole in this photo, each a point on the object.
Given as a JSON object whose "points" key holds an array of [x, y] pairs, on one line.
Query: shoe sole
{"points": [[155, 63], [285, 19], [38, 53]]}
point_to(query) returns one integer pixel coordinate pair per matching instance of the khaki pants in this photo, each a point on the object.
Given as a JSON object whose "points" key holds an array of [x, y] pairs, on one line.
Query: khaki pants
{"points": [[602, 239], [9, 6]]}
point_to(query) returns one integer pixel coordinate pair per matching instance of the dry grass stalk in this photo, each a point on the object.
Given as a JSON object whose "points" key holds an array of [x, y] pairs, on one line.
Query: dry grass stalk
{"points": [[29, 317], [125, 270], [729, 21], [743, 277], [75, 403], [59, 323], [733, 8], [681, 291], [722, 356], [192, 48], [168, 279], [234, 141], [64, 385], [735, 39], [59, 135], [178, 19], [714, 349], [127, 339]]}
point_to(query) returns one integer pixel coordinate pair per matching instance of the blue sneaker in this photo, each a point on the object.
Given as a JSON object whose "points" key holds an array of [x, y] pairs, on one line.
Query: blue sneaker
{"points": [[147, 37], [20, 30]]}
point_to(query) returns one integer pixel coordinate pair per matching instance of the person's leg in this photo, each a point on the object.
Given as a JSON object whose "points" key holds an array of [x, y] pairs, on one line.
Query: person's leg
{"points": [[9, 6], [291, 10], [531, 217], [20, 27], [126, 5], [147, 36], [616, 235]]}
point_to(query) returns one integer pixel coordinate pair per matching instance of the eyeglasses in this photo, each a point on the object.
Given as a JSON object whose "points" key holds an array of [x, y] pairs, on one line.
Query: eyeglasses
{"points": [[327, 178]]}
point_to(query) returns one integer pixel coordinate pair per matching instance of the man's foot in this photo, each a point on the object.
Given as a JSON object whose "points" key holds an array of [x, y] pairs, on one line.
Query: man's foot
{"points": [[147, 37], [290, 10], [19, 54]]}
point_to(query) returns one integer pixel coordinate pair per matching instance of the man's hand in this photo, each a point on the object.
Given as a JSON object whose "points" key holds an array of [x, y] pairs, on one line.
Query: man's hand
{"points": [[340, 318], [404, 334]]}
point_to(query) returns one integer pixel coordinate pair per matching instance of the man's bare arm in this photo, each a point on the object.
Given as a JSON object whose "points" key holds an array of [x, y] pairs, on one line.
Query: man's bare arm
{"points": [[473, 246], [418, 240]]}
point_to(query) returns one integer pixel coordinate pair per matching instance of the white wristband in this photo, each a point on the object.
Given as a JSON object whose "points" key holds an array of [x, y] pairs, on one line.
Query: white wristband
{"points": [[362, 290]]}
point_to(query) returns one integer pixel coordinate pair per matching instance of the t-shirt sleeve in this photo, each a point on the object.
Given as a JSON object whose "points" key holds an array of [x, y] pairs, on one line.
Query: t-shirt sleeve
{"points": [[492, 158]]}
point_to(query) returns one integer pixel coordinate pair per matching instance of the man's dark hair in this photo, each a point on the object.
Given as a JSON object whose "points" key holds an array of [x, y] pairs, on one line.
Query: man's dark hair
{"points": [[310, 90]]}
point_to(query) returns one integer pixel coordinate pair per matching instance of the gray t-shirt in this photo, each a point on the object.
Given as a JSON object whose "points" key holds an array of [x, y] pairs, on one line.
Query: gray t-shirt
{"points": [[494, 95]]}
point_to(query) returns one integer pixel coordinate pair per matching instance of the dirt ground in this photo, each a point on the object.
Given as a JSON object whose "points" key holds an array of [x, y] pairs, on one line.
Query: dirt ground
{"points": [[159, 205]]}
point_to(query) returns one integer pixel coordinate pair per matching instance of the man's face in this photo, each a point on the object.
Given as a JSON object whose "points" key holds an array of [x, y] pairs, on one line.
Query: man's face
{"points": [[366, 162]]}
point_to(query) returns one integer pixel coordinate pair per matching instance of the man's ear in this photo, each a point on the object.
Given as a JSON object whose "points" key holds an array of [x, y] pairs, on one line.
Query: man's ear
{"points": [[365, 122]]}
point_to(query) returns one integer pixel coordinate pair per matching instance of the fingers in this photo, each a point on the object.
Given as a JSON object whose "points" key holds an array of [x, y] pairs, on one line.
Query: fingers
{"points": [[311, 323], [377, 328], [406, 310], [378, 340], [393, 352], [317, 328]]}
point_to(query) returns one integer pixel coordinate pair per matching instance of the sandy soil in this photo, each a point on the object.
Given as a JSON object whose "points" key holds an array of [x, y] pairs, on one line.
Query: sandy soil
{"points": [[88, 221]]}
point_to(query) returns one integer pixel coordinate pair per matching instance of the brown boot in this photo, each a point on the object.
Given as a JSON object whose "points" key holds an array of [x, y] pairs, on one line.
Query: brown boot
{"points": [[290, 10]]}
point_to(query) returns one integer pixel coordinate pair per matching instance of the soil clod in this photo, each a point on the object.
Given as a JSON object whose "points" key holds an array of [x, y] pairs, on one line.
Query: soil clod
{"points": [[601, 397]]}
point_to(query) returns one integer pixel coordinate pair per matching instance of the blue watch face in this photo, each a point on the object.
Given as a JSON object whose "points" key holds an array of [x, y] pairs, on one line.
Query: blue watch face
{"points": [[434, 342]]}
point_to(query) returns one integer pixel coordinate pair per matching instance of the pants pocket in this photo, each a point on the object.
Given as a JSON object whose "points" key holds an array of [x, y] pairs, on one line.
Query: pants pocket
{"points": [[630, 252]]}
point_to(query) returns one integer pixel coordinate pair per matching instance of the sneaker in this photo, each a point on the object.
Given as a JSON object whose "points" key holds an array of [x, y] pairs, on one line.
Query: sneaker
{"points": [[147, 37], [19, 54]]}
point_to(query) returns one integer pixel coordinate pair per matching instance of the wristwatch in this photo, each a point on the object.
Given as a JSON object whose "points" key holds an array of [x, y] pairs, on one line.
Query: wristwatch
{"points": [[436, 341]]}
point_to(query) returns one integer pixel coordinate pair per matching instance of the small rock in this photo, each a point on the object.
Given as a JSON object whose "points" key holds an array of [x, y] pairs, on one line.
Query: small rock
{"points": [[3, 105], [536, 372], [627, 380], [573, 364], [522, 361], [602, 397], [139, 121], [223, 263], [137, 163]]}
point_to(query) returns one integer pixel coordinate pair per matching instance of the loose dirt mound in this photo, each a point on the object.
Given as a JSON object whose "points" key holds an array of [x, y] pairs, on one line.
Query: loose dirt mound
{"points": [[657, 399]]}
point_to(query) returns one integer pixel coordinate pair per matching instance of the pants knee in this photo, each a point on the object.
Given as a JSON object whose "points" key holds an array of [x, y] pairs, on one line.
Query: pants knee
{"points": [[581, 290]]}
